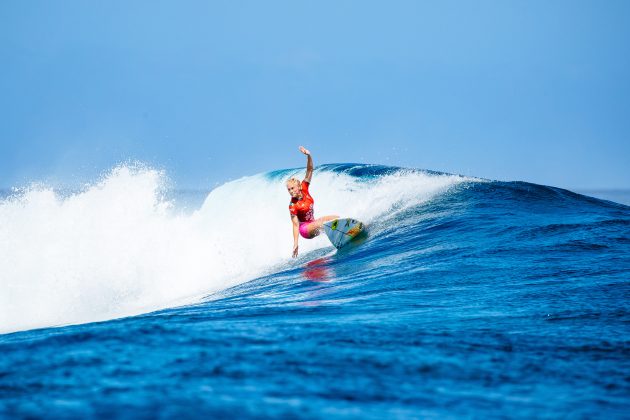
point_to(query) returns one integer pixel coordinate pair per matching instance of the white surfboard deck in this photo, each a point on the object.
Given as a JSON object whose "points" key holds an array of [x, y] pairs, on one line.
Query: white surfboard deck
{"points": [[342, 231]]}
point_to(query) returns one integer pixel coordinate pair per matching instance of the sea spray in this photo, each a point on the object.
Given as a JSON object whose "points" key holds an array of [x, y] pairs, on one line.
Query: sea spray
{"points": [[119, 248]]}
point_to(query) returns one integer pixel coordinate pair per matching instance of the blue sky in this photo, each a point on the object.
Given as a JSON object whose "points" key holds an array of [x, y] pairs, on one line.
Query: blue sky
{"points": [[213, 90]]}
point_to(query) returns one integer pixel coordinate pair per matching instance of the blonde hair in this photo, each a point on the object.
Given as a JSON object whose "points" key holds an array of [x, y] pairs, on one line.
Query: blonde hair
{"points": [[293, 180]]}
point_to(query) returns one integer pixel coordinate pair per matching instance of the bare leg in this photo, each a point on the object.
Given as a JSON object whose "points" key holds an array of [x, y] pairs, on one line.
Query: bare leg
{"points": [[314, 227]]}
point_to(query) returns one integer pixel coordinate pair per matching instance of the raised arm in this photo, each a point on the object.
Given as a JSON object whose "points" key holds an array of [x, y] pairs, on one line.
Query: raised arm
{"points": [[309, 164]]}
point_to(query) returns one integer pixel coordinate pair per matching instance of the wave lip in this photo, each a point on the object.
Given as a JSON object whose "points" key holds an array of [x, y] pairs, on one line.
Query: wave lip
{"points": [[120, 248]]}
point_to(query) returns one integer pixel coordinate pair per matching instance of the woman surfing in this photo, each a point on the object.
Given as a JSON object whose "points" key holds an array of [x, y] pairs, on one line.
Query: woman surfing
{"points": [[301, 206]]}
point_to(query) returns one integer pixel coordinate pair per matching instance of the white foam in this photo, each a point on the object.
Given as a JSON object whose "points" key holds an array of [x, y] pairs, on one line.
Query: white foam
{"points": [[119, 249]]}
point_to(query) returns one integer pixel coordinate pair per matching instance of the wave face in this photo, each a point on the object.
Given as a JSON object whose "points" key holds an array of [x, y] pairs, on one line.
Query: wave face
{"points": [[123, 247], [469, 298]]}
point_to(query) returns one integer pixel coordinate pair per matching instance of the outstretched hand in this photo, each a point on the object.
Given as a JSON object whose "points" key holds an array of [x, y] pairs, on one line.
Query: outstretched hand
{"points": [[295, 251], [305, 151]]}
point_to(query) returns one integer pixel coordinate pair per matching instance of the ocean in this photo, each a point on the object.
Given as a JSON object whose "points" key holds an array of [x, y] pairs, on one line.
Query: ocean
{"points": [[469, 298]]}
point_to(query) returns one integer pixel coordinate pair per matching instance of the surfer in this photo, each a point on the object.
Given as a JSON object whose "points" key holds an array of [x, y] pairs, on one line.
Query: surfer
{"points": [[301, 206]]}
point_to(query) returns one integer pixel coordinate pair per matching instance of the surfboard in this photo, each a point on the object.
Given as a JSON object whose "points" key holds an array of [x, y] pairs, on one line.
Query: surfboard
{"points": [[343, 231]]}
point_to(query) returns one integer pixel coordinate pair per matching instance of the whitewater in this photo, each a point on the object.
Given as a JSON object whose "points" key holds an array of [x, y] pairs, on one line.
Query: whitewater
{"points": [[122, 246], [469, 298]]}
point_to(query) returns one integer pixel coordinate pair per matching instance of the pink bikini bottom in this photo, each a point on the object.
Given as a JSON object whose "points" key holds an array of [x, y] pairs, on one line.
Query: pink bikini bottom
{"points": [[304, 229]]}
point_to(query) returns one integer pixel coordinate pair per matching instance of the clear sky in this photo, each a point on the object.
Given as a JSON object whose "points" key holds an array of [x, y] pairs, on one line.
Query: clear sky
{"points": [[213, 90]]}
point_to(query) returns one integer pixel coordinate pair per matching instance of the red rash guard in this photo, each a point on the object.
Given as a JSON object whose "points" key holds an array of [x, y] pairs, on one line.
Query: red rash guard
{"points": [[303, 208]]}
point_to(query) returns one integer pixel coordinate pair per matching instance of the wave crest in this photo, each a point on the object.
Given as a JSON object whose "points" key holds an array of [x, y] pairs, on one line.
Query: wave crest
{"points": [[120, 248]]}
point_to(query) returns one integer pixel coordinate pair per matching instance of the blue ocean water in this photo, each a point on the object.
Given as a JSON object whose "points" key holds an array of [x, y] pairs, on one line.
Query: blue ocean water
{"points": [[469, 298]]}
